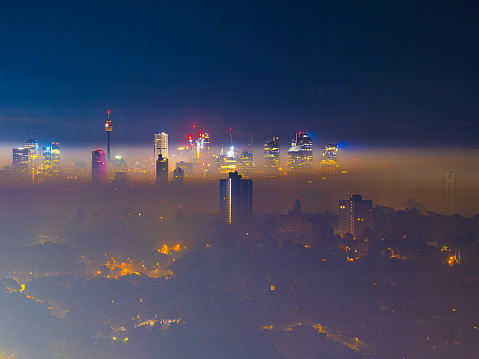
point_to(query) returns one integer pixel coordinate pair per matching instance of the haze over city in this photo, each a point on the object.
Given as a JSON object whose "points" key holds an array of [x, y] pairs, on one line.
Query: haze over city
{"points": [[239, 180]]}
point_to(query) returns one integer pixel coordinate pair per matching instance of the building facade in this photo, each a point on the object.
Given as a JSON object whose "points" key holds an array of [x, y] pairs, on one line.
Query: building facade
{"points": [[271, 156], [300, 154], [99, 168], [236, 199], [329, 158], [20, 160], [355, 215], [160, 141], [161, 171], [51, 159]]}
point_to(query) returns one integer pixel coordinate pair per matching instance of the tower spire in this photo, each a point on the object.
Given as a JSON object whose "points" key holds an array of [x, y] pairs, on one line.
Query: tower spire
{"points": [[108, 129]]}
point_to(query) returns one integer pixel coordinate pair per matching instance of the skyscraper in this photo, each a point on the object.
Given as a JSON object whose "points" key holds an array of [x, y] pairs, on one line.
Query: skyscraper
{"points": [[33, 157], [51, 159], [271, 156], [206, 137], [160, 141], [99, 167], [56, 157], [329, 158], [300, 154], [20, 160], [161, 171], [236, 199], [448, 182], [355, 215], [47, 160]]}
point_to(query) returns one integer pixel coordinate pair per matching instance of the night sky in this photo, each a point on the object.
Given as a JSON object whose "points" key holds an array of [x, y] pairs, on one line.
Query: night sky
{"points": [[368, 72]]}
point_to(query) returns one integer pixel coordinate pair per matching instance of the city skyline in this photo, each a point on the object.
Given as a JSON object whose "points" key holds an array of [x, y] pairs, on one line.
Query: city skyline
{"points": [[312, 190], [407, 78]]}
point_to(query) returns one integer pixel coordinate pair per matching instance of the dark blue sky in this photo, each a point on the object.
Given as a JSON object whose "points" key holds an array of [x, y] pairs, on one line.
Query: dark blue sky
{"points": [[370, 72]]}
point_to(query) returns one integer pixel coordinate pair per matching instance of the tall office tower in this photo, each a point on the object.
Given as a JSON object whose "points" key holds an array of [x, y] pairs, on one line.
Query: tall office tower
{"points": [[206, 137], [161, 170], [47, 160], [355, 215], [160, 141], [99, 167], [51, 159], [20, 160], [271, 156], [448, 182], [178, 175], [300, 154], [55, 158], [33, 157], [329, 158], [108, 130], [236, 199]]}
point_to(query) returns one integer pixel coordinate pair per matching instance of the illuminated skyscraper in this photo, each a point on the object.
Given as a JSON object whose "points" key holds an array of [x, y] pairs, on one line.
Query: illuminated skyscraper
{"points": [[20, 160], [161, 171], [206, 138], [448, 182], [271, 156], [33, 157], [160, 141], [300, 154], [329, 158], [236, 199], [56, 157], [51, 159], [99, 168], [355, 215], [47, 160]]}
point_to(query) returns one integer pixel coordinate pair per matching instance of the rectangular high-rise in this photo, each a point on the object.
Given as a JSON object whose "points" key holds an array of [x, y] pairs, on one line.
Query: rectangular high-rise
{"points": [[355, 215], [160, 145], [329, 158], [20, 160], [55, 157], [300, 154], [236, 199], [99, 167], [161, 171], [51, 159], [271, 156], [33, 158]]}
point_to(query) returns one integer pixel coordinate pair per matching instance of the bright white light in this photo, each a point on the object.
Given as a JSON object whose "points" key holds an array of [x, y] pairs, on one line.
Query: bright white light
{"points": [[231, 152]]}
